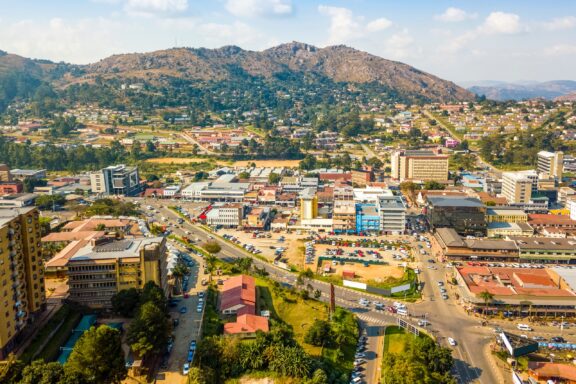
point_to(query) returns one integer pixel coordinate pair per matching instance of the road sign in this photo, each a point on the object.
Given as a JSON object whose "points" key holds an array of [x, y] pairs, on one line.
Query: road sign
{"points": [[407, 326]]}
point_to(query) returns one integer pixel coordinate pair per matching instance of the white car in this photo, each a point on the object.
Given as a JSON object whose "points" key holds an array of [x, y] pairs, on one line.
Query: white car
{"points": [[523, 327], [451, 341], [186, 369]]}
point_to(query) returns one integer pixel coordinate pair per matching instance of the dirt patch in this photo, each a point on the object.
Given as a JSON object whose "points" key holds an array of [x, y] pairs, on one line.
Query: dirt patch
{"points": [[378, 273], [267, 163], [177, 160], [295, 253]]}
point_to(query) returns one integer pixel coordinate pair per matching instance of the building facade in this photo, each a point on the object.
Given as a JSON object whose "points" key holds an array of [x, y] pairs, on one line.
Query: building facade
{"points": [[392, 214], [551, 164], [116, 180], [419, 166], [465, 214], [228, 215], [517, 187], [104, 267], [22, 272]]}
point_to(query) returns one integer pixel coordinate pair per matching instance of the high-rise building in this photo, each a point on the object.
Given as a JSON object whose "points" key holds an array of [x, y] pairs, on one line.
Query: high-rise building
{"points": [[551, 164], [517, 187], [419, 166], [116, 180], [104, 266], [22, 273]]}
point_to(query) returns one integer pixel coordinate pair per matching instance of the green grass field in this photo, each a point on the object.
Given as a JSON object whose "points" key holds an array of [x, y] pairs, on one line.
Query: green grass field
{"points": [[395, 340]]}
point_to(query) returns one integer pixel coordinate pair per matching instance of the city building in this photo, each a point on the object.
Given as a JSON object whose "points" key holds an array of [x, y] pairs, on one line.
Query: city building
{"points": [[171, 190], [227, 215], [367, 218], [18, 200], [308, 204], [572, 207], [542, 221], [344, 216], [517, 187], [503, 215], [102, 267], [419, 165], [22, 270], [116, 180], [5, 176], [466, 215], [526, 292], [258, 218], [224, 192], [565, 194], [361, 178], [238, 297], [10, 188], [21, 174], [392, 214], [193, 191], [503, 229], [454, 247], [550, 164], [546, 250]]}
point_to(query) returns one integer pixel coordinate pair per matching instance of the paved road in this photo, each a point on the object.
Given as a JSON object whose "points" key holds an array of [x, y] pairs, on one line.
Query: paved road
{"points": [[446, 317], [374, 349], [192, 141], [369, 152]]}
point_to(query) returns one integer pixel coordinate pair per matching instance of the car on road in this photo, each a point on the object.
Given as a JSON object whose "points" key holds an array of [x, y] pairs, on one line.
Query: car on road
{"points": [[186, 295], [190, 356], [557, 339], [523, 327], [440, 283], [186, 369], [199, 309], [360, 355], [444, 297], [183, 310], [200, 294], [192, 346], [538, 338], [451, 341], [363, 302]]}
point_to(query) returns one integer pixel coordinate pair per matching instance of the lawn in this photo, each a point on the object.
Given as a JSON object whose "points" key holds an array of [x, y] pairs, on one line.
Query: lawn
{"points": [[395, 340]]}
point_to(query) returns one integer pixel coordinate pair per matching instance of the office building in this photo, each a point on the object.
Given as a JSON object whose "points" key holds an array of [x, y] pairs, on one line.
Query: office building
{"points": [[517, 187], [227, 215], [308, 204], [503, 215], [344, 216], [419, 166], [392, 214], [116, 180], [551, 164], [21, 174], [367, 219], [105, 266], [22, 273], [465, 215]]}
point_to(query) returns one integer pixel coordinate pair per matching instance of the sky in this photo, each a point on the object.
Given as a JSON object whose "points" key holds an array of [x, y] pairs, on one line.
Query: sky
{"points": [[463, 41]]}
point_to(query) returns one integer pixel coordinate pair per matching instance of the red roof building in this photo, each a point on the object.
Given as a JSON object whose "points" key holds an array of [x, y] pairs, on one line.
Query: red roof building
{"points": [[238, 296], [246, 325]]}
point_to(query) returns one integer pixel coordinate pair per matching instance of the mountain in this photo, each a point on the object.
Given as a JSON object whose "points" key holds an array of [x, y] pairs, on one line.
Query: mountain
{"points": [[336, 63], [525, 90], [287, 66]]}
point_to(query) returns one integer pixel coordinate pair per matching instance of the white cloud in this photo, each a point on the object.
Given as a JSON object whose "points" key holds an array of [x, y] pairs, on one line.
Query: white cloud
{"points": [[399, 45], [453, 14], [501, 23], [155, 7], [344, 26], [252, 8], [378, 25], [561, 49], [560, 23]]}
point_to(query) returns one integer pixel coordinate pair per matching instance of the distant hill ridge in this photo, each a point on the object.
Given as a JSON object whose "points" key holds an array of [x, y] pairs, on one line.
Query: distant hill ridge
{"points": [[338, 63], [520, 91]]}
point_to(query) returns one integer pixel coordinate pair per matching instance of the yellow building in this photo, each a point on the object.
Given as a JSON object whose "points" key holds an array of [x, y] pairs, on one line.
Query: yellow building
{"points": [[105, 266], [308, 204], [501, 215], [419, 165], [22, 273]]}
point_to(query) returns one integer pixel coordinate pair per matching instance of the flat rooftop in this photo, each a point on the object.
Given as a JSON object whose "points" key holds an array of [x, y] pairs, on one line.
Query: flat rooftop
{"points": [[454, 201]]}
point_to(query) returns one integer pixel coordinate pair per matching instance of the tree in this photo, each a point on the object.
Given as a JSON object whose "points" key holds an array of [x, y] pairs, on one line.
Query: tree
{"points": [[212, 247], [273, 178], [319, 334], [126, 301], [39, 372], [317, 294], [98, 356], [154, 294], [178, 272], [319, 377], [49, 201], [149, 331], [487, 297], [196, 376], [244, 175], [433, 185], [11, 369]]}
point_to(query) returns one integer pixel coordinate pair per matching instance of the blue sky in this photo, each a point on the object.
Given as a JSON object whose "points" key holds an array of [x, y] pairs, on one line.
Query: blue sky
{"points": [[512, 40]]}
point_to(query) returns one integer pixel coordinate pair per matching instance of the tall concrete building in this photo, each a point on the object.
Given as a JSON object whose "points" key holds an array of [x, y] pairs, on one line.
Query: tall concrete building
{"points": [[116, 180], [105, 266], [419, 166], [22, 273], [551, 164], [517, 187]]}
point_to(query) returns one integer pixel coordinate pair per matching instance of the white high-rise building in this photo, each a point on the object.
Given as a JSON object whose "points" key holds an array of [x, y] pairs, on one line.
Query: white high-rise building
{"points": [[551, 164]]}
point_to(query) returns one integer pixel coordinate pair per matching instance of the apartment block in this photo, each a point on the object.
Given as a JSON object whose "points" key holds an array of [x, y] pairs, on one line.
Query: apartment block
{"points": [[419, 166], [105, 266], [551, 164], [344, 216], [22, 273], [116, 180], [517, 187]]}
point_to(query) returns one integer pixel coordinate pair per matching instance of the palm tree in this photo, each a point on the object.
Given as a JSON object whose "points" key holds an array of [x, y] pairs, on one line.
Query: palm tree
{"points": [[212, 247], [487, 297], [178, 272]]}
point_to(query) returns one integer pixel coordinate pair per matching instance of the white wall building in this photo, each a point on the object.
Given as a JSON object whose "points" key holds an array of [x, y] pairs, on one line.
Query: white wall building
{"points": [[229, 215]]}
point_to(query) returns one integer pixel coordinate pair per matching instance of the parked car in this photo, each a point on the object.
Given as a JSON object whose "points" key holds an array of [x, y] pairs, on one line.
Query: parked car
{"points": [[186, 369], [451, 341], [183, 310]]}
